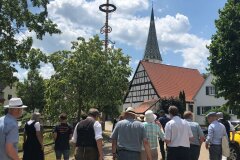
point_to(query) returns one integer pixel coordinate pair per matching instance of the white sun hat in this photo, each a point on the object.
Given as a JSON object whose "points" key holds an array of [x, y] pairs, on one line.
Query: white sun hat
{"points": [[15, 103], [130, 110], [149, 116]]}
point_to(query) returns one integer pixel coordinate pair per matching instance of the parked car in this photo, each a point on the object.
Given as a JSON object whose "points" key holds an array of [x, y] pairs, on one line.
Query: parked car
{"points": [[235, 143]]}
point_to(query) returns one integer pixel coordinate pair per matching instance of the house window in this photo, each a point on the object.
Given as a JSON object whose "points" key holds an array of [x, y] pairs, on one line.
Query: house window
{"points": [[1, 95], [210, 90], [9, 96], [205, 109], [191, 107], [198, 110]]}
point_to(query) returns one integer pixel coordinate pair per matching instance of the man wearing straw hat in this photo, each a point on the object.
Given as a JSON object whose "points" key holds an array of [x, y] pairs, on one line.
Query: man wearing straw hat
{"points": [[128, 137], [9, 130]]}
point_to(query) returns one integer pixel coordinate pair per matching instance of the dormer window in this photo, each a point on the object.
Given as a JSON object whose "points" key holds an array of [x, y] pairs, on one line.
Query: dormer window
{"points": [[210, 90]]}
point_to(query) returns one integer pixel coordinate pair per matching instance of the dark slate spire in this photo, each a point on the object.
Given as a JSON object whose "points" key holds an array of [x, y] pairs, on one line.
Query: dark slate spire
{"points": [[152, 50]]}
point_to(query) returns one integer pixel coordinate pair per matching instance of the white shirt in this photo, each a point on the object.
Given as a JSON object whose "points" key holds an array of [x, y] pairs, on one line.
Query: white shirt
{"points": [[36, 125], [231, 126], [178, 132], [97, 130]]}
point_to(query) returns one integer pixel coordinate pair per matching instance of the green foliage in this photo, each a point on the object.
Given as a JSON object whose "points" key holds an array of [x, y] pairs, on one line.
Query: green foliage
{"points": [[165, 103], [1, 110], [182, 98], [86, 77], [16, 19], [225, 56], [31, 91]]}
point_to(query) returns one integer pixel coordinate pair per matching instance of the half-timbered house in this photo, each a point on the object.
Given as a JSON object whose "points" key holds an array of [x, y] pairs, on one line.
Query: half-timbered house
{"points": [[154, 80]]}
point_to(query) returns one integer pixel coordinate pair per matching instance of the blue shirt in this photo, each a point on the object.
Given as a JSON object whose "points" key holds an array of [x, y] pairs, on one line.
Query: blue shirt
{"points": [[196, 131], [216, 131], [8, 134], [129, 135]]}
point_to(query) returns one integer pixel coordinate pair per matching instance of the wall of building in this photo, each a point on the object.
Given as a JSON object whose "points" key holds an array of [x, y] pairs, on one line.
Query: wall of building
{"points": [[9, 92], [205, 102], [140, 91]]}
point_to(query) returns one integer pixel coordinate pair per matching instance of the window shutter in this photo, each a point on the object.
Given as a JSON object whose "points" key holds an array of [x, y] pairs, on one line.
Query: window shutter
{"points": [[216, 90], [207, 90], [198, 111]]}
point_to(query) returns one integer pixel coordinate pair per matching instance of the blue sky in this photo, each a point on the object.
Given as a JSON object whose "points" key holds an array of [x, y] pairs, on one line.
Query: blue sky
{"points": [[184, 28]]}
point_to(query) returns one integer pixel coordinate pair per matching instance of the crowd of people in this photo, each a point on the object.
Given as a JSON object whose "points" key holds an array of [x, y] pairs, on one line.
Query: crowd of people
{"points": [[133, 137]]}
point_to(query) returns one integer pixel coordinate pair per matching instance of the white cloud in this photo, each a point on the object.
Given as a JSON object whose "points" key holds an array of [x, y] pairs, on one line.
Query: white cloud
{"points": [[46, 71], [83, 18], [196, 57], [21, 74]]}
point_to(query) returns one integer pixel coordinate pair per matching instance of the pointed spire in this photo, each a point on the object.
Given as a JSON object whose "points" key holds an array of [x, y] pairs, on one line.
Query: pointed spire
{"points": [[152, 52]]}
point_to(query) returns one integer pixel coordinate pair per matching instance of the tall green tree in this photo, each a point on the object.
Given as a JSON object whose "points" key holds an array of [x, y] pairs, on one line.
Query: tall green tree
{"points": [[18, 17], [182, 98], [166, 102], [225, 53], [32, 90], [87, 76]]}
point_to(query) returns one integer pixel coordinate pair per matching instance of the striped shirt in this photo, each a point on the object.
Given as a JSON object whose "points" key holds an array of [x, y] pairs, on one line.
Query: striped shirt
{"points": [[153, 132]]}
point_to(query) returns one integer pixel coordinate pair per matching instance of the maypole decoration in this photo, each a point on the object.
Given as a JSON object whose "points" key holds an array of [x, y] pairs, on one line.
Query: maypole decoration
{"points": [[107, 8]]}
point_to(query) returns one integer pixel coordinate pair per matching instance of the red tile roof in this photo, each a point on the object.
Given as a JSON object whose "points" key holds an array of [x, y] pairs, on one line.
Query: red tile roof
{"points": [[143, 107], [170, 80]]}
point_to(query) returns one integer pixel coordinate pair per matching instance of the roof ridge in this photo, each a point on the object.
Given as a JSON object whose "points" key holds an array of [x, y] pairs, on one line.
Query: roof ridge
{"points": [[170, 65]]}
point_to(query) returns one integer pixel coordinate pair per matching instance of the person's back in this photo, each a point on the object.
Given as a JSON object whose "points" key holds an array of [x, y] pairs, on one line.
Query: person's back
{"points": [[7, 123], [198, 136], [177, 136], [85, 132], [130, 134], [217, 131], [87, 136], [64, 132], [30, 131], [153, 133], [177, 125], [62, 135]]}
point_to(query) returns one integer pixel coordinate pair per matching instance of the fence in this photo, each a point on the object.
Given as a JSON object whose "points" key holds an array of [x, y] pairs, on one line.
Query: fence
{"points": [[46, 130]]}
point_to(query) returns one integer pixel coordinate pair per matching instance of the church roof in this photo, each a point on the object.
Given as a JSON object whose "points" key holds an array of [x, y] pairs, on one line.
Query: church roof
{"points": [[169, 80], [152, 49]]}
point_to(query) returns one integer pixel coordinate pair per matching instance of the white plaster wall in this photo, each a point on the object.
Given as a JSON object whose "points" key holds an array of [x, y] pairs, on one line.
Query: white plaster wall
{"points": [[201, 99], [8, 91]]}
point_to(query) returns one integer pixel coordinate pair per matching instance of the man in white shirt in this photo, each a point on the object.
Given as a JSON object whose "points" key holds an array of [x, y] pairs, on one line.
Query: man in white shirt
{"points": [[87, 136], [177, 136]]}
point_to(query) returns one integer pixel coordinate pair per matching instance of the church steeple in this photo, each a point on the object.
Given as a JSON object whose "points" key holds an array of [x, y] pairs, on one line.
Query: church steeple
{"points": [[152, 52]]}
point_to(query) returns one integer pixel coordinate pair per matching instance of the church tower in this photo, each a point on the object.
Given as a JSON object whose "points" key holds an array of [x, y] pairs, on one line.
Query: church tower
{"points": [[152, 53]]}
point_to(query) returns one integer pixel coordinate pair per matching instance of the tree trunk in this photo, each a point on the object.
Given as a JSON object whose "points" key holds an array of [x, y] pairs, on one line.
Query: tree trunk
{"points": [[103, 120]]}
